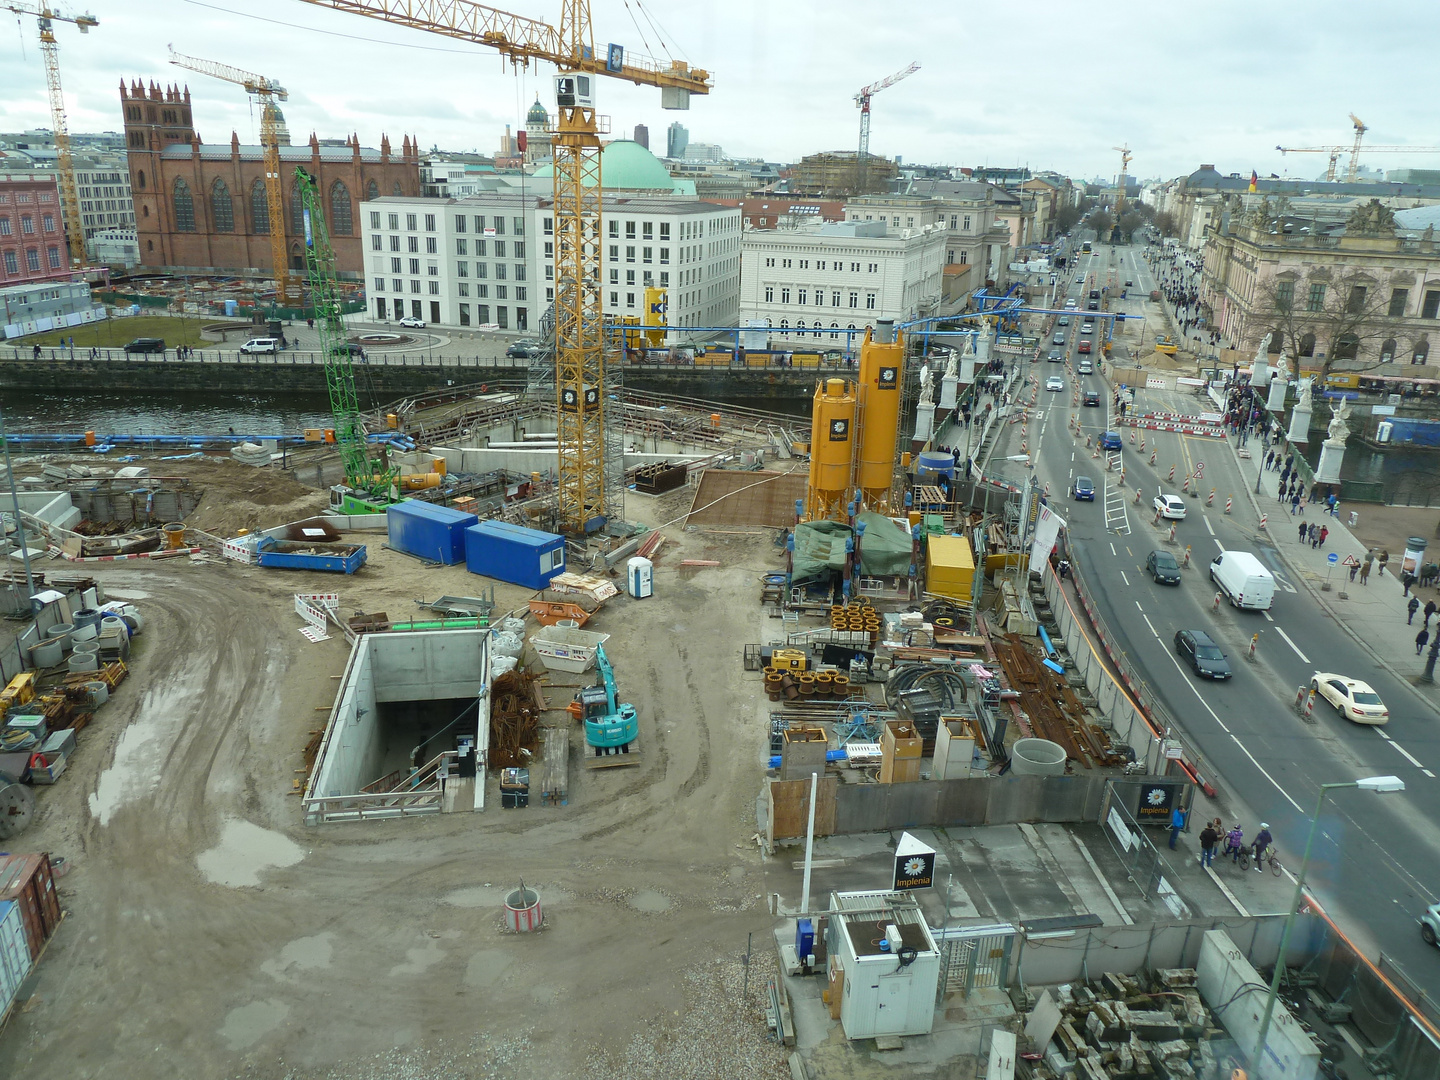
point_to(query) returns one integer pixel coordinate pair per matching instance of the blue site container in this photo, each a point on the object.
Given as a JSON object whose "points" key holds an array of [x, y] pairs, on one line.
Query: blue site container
{"points": [[514, 553], [428, 531]]}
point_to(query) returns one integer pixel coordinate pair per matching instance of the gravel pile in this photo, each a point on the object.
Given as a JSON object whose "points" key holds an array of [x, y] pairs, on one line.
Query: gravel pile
{"points": [[715, 1036]]}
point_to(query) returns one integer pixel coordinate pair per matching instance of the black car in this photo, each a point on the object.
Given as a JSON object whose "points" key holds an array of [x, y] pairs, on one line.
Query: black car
{"points": [[523, 349], [1093, 305], [1059, 339], [1161, 565], [146, 345], [1055, 356], [348, 348], [1202, 653], [1092, 398]]}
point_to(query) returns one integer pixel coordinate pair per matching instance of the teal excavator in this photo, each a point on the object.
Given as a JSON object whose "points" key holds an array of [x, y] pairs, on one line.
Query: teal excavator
{"points": [[610, 727]]}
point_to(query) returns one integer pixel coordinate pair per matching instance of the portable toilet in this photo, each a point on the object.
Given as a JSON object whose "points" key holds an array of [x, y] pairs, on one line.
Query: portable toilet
{"points": [[640, 575]]}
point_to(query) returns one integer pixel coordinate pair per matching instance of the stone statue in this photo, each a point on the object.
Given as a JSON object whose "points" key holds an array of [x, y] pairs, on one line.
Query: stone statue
{"points": [[927, 386], [1370, 219], [1262, 354], [1339, 431], [1303, 402], [952, 369]]}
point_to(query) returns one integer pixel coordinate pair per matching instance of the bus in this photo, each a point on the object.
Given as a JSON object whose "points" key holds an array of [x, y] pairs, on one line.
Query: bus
{"points": [[1085, 248]]}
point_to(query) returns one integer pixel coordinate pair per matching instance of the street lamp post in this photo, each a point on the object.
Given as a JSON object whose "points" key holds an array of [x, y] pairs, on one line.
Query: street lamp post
{"points": [[1378, 784]]}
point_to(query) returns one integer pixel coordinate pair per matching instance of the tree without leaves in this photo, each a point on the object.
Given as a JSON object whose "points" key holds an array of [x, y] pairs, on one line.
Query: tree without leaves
{"points": [[1165, 222], [1065, 218], [1101, 222], [1343, 324], [1130, 220]]}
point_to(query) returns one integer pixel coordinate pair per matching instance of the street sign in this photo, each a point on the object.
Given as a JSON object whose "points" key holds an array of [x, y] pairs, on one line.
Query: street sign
{"points": [[1332, 558]]}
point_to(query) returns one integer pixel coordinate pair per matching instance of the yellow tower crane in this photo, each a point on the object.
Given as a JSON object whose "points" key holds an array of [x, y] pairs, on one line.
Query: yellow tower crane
{"points": [[47, 16], [579, 317], [1124, 174], [267, 92]]}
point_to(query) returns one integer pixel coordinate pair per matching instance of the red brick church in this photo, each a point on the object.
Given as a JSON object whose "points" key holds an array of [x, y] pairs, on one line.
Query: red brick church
{"points": [[204, 207]]}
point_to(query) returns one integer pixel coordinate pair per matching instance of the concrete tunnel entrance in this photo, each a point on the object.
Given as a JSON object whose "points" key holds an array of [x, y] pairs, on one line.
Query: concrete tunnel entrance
{"points": [[408, 731]]}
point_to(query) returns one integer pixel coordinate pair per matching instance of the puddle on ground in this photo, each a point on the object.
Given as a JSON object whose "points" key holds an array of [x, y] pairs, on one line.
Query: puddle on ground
{"points": [[420, 960], [302, 954], [487, 968], [247, 1025], [477, 896], [244, 852], [648, 900]]}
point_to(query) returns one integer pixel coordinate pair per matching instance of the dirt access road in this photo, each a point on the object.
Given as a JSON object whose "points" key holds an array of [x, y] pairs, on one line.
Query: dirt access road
{"points": [[210, 934]]}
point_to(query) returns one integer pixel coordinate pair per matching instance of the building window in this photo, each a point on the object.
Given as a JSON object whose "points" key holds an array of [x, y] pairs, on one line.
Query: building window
{"points": [[397, 285], [184, 208], [614, 299], [374, 219], [414, 288], [629, 230], [614, 252], [459, 223], [395, 265], [342, 217], [4, 226], [297, 223], [835, 298], [870, 301], [647, 254], [630, 252], [372, 191], [548, 224], [1422, 352], [54, 254], [1387, 351], [430, 248], [770, 262], [432, 270], [519, 274], [429, 222], [500, 249], [665, 258], [379, 284], [664, 278], [413, 243], [521, 293], [47, 222], [480, 246], [1316, 301], [1398, 298], [834, 327], [1432, 304], [464, 314], [463, 288], [392, 222], [499, 230], [434, 288], [966, 226], [32, 260], [874, 268], [800, 297], [854, 299], [482, 291], [12, 266], [502, 292], [462, 269], [482, 269], [500, 271], [394, 243], [1284, 295], [629, 277], [27, 223], [1356, 302], [785, 263], [410, 222], [461, 247], [222, 210]]}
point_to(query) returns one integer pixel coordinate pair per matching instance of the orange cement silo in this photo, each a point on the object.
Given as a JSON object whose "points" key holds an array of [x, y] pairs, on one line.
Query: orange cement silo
{"points": [[832, 446], [882, 367]]}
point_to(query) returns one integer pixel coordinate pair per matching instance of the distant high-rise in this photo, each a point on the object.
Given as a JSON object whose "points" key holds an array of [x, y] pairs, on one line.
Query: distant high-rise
{"points": [[677, 138], [642, 135]]}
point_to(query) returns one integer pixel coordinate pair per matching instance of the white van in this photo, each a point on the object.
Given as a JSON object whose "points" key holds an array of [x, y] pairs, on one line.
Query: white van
{"points": [[260, 345], [1243, 580]]}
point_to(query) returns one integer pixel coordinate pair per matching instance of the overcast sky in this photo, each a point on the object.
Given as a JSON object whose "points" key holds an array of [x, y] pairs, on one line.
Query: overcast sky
{"points": [[1053, 84]]}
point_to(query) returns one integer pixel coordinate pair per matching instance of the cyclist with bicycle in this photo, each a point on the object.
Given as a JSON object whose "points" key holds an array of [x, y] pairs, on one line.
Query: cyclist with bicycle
{"points": [[1234, 843], [1263, 839]]}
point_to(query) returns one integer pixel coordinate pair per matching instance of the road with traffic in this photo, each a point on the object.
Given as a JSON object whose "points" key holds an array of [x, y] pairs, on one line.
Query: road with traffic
{"points": [[1375, 865]]}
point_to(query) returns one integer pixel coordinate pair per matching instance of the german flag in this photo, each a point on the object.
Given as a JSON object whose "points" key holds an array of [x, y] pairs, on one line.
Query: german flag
{"points": [[1254, 179]]}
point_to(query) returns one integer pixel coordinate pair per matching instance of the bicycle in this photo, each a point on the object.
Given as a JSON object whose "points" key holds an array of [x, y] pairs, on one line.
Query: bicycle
{"points": [[1270, 859]]}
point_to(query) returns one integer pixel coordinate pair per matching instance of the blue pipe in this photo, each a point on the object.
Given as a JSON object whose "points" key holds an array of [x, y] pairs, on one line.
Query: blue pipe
{"points": [[830, 755]]}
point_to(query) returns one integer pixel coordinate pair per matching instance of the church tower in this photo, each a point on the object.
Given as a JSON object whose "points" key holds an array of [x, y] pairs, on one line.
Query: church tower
{"points": [[154, 119]]}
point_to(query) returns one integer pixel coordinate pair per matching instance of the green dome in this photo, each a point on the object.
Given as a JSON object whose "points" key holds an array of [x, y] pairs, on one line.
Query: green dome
{"points": [[625, 165], [537, 114]]}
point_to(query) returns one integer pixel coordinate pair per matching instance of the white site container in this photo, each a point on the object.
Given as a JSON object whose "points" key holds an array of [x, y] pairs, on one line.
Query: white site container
{"points": [[562, 648], [14, 953], [640, 577]]}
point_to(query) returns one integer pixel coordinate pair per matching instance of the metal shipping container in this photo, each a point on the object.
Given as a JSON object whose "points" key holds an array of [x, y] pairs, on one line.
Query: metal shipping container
{"points": [[15, 962], [27, 880], [514, 553], [431, 532]]}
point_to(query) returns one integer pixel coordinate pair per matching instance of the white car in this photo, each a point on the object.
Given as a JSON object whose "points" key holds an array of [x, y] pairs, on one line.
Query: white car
{"points": [[1353, 699], [1054, 383], [1169, 507], [412, 323]]}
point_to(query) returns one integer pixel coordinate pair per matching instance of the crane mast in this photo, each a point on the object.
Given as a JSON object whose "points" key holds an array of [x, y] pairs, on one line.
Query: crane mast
{"points": [[47, 16], [580, 397], [267, 92], [365, 475]]}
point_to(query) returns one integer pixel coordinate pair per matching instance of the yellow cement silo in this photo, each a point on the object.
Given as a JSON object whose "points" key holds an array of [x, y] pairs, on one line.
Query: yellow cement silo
{"points": [[882, 367], [832, 444]]}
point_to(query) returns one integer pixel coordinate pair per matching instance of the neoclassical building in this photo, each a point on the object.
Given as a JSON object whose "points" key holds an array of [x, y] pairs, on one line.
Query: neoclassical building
{"points": [[204, 207]]}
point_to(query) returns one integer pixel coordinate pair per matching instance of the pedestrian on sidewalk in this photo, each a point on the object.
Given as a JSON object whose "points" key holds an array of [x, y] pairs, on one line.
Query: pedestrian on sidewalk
{"points": [[1294, 501], [1270, 459], [1263, 840], [1412, 607], [1365, 572], [1324, 532], [1234, 843], [1430, 609], [1421, 639], [1177, 822], [1304, 529], [1208, 839], [1314, 535], [1354, 565], [1407, 579], [1382, 560]]}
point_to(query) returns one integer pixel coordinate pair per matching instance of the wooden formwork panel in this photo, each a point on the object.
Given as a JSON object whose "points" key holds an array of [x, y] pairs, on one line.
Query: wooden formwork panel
{"points": [[768, 498]]}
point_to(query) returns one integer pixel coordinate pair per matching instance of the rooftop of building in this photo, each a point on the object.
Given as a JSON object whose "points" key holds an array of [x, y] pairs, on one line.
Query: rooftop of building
{"points": [[256, 152], [625, 165], [1208, 178], [967, 190]]}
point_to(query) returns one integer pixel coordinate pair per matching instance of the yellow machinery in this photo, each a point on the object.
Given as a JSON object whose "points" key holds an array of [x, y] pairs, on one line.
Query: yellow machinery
{"points": [[579, 329], [657, 302], [1167, 345], [267, 92], [832, 444], [877, 415], [69, 193]]}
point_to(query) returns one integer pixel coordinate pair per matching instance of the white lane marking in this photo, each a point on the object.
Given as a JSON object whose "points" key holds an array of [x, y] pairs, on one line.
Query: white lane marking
{"points": [[1207, 524], [1244, 912], [1268, 616], [1281, 631], [1220, 545], [1405, 753], [1428, 773], [1125, 579], [1141, 609], [1151, 625], [1104, 882], [1113, 551]]}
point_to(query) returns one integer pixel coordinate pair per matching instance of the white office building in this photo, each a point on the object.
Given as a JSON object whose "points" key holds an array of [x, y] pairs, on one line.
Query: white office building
{"points": [[488, 261], [114, 247], [103, 187], [830, 276]]}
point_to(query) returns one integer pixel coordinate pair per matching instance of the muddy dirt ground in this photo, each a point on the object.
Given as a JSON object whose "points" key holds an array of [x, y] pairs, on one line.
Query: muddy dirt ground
{"points": [[209, 933]]}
